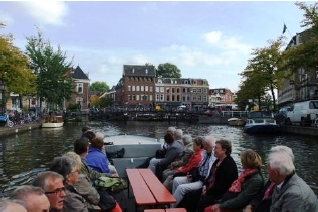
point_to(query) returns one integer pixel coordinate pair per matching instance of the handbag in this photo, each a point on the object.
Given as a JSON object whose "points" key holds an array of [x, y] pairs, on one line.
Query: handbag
{"points": [[194, 172], [106, 202]]}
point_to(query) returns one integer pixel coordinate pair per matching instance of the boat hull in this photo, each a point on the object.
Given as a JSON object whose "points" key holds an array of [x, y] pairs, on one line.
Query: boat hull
{"points": [[137, 150], [266, 128], [52, 125], [52, 122], [236, 122]]}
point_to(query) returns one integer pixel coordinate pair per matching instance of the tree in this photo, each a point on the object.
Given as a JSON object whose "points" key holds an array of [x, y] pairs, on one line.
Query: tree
{"points": [[15, 70], [264, 71], [168, 70], [99, 86], [52, 69], [106, 101]]}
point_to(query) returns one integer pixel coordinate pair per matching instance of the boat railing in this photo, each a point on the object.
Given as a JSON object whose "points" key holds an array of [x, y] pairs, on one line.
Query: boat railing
{"points": [[234, 113]]}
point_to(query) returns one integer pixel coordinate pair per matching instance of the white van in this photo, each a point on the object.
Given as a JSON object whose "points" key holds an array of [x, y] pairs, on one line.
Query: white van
{"points": [[302, 112]]}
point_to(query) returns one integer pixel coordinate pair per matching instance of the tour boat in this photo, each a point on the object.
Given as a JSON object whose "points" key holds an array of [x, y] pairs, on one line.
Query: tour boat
{"points": [[130, 151], [52, 121], [236, 122], [261, 122]]}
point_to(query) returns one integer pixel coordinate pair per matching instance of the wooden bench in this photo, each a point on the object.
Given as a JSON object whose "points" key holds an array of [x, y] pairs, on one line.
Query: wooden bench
{"points": [[142, 194], [147, 189], [166, 210], [158, 190]]}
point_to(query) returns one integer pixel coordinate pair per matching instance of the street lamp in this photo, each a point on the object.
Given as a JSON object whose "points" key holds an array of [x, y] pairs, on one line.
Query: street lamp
{"points": [[2, 97]]}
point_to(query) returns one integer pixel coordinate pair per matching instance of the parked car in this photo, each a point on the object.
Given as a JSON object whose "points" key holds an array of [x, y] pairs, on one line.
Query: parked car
{"points": [[281, 115], [303, 113]]}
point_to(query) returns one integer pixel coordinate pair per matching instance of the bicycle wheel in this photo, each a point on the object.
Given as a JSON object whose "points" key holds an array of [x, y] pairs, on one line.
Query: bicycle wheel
{"points": [[10, 123]]}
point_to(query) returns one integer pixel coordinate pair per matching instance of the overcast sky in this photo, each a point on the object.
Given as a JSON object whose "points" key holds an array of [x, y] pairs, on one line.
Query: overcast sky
{"points": [[208, 40]]}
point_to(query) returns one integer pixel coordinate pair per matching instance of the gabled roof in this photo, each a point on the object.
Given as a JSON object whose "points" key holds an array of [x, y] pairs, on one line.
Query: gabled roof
{"points": [[137, 70], [79, 74]]}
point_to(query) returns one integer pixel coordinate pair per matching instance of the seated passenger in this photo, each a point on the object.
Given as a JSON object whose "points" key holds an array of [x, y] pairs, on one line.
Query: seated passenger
{"points": [[96, 159], [249, 183], [182, 159], [193, 161], [183, 185], [222, 175]]}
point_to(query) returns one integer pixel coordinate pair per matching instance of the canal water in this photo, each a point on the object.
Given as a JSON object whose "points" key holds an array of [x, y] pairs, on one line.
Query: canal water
{"points": [[24, 155]]}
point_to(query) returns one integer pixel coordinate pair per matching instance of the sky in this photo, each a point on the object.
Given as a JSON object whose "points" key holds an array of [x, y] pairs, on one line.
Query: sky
{"points": [[210, 40]]}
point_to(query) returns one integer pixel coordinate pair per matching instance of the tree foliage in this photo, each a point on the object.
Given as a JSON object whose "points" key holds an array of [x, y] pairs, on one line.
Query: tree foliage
{"points": [[168, 70], [52, 69], [14, 68], [99, 86], [263, 73]]}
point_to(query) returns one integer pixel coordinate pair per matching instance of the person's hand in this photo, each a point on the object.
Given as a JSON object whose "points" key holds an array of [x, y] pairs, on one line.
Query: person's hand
{"points": [[216, 208], [248, 208], [203, 190], [113, 175], [189, 177]]}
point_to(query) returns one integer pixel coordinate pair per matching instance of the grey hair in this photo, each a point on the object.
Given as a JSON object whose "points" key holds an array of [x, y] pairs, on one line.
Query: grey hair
{"points": [[5, 203], [42, 179], [63, 165], [99, 134], [210, 140], [23, 193], [76, 157], [281, 162], [178, 134], [171, 129], [284, 149], [187, 139]]}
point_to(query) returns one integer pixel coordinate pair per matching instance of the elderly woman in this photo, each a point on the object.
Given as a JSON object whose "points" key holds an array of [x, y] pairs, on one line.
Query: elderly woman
{"points": [[69, 169], [249, 183], [84, 187], [96, 158]]}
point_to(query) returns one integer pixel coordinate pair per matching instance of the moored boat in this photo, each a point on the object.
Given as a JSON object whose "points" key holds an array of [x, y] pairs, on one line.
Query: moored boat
{"points": [[52, 121], [134, 150], [261, 122], [236, 122]]}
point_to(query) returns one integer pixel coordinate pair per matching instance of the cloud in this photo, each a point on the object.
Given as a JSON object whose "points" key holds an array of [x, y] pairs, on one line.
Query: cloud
{"points": [[46, 12], [6, 18]]}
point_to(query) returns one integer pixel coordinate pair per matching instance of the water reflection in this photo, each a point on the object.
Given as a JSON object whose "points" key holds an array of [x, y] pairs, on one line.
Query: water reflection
{"points": [[22, 156]]}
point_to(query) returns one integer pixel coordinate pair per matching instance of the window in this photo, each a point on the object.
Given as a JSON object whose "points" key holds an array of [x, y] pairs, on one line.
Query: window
{"points": [[157, 89], [178, 90], [150, 97], [172, 90], [133, 97], [79, 87], [137, 88], [142, 88], [194, 90], [137, 97], [161, 97], [199, 90], [157, 97], [129, 97], [146, 88], [162, 89], [150, 88], [129, 88], [133, 88]]}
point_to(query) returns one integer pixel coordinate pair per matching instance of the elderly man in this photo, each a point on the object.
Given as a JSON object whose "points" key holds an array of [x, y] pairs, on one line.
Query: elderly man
{"points": [[32, 198], [7, 205], [52, 184], [183, 185], [291, 192]]}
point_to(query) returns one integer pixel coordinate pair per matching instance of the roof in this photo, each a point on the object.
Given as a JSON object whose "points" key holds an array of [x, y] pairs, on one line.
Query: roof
{"points": [[79, 74], [137, 70]]}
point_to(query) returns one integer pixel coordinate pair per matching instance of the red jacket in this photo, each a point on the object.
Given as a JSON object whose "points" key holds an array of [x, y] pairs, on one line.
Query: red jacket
{"points": [[193, 161]]}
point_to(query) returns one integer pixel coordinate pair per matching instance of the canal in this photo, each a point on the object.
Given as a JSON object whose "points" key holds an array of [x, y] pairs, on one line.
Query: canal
{"points": [[24, 155]]}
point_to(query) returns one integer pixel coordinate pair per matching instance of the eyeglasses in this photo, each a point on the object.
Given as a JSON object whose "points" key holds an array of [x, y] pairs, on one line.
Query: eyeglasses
{"points": [[75, 171], [56, 191]]}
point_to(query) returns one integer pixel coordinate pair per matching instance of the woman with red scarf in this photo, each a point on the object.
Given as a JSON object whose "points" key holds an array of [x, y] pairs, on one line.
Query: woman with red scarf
{"points": [[249, 183]]}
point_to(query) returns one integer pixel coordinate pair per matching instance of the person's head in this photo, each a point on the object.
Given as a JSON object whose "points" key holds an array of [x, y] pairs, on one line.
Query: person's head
{"points": [[7, 205], [178, 134], [197, 144], [250, 159], [99, 134], [85, 129], [89, 134], [76, 157], [33, 198], [168, 138], [52, 184], [284, 149], [97, 143], [187, 139], [222, 148], [279, 166], [208, 143], [81, 146], [67, 167], [171, 130]]}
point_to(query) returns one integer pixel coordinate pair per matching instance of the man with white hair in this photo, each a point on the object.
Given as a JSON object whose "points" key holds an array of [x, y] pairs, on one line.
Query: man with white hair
{"points": [[263, 201], [291, 192], [183, 185]]}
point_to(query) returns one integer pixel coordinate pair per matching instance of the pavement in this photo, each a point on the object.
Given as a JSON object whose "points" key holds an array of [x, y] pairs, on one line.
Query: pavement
{"points": [[5, 130]]}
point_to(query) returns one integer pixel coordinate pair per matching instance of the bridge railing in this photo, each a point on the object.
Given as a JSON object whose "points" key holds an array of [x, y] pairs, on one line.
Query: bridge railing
{"points": [[242, 114]]}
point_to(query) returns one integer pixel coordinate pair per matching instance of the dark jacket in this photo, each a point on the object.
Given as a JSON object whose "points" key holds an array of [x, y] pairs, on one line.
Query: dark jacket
{"points": [[225, 175], [295, 195], [252, 185], [171, 153]]}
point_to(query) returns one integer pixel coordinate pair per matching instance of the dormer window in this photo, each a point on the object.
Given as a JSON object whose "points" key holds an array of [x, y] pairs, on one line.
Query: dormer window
{"points": [[160, 80], [146, 71], [133, 71]]}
